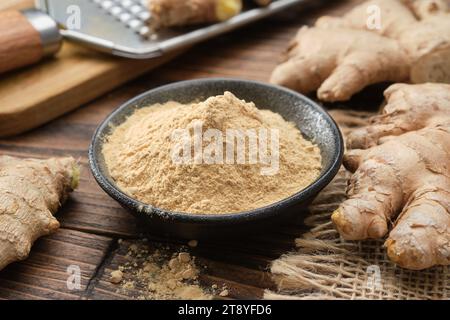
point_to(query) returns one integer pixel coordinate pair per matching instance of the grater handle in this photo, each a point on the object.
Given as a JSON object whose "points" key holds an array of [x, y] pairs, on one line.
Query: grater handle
{"points": [[25, 38]]}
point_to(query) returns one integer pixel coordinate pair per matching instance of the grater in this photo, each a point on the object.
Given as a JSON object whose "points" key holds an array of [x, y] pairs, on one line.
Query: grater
{"points": [[119, 27]]}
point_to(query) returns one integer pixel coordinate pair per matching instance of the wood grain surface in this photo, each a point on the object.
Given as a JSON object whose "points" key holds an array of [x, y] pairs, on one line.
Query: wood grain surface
{"points": [[92, 223], [20, 43], [36, 94]]}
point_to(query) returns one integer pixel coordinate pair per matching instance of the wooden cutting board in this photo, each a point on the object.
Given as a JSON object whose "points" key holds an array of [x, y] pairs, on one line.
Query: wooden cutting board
{"points": [[37, 94]]}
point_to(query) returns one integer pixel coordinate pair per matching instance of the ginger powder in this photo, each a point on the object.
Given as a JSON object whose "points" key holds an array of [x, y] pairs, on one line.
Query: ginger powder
{"points": [[222, 155]]}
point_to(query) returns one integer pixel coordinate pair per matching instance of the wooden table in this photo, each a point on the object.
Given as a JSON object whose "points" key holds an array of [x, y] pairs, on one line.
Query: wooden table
{"points": [[92, 223]]}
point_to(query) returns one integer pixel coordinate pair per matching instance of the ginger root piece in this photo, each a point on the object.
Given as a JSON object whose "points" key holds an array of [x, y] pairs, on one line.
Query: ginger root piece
{"points": [[427, 8], [426, 41], [340, 62], [428, 46], [31, 191], [171, 13], [404, 171], [423, 44], [409, 108], [394, 18]]}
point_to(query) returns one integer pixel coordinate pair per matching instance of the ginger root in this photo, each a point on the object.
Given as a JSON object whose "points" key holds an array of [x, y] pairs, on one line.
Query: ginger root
{"points": [[426, 8], [337, 62], [401, 168], [31, 191], [409, 108], [172, 13], [343, 57]]}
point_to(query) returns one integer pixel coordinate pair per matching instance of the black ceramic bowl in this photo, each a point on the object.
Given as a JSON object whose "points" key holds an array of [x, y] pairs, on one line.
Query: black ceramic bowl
{"points": [[314, 122]]}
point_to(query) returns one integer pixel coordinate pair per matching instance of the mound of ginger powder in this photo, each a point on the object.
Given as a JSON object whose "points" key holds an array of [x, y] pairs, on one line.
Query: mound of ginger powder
{"points": [[222, 155]]}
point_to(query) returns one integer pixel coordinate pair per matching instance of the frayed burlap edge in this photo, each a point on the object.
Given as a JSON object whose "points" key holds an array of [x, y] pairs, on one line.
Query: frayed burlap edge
{"points": [[328, 267]]}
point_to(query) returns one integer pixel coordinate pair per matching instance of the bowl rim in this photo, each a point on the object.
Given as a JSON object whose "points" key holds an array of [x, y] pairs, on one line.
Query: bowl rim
{"points": [[255, 214]]}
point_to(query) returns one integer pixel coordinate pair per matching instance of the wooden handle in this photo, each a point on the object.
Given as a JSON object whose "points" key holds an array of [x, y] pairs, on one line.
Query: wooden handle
{"points": [[20, 42]]}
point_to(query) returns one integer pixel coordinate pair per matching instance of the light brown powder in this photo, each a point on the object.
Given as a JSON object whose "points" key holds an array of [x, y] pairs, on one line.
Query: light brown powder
{"points": [[159, 275], [138, 155], [116, 276]]}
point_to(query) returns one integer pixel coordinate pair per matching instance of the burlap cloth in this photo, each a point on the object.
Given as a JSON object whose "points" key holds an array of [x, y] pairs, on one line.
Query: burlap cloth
{"points": [[324, 266]]}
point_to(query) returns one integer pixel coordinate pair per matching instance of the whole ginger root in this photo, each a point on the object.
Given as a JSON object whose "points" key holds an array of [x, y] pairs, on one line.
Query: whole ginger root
{"points": [[409, 108], [340, 62], [31, 191], [172, 13], [427, 8], [339, 56], [402, 171]]}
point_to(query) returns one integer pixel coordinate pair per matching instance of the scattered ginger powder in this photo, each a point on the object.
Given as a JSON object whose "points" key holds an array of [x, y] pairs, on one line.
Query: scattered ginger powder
{"points": [[139, 156]]}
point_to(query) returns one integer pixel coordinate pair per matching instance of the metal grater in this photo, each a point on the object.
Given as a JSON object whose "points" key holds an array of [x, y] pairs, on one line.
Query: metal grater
{"points": [[132, 13], [120, 27]]}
